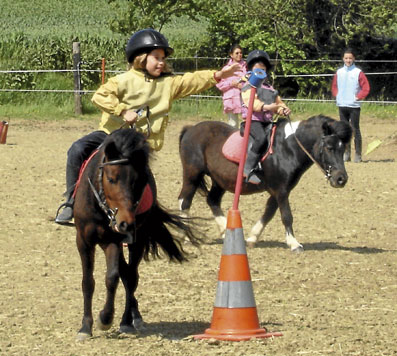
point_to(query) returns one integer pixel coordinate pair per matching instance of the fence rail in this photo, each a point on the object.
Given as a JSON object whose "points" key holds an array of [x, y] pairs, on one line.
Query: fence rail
{"points": [[77, 71]]}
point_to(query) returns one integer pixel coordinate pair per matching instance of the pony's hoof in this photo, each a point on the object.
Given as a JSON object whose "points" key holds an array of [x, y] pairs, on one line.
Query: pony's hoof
{"points": [[139, 325], [251, 244], [102, 326], [127, 329], [298, 249], [82, 336]]}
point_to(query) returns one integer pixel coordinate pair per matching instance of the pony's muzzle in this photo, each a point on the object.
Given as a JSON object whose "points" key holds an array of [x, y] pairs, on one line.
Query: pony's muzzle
{"points": [[124, 226], [338, 180]]}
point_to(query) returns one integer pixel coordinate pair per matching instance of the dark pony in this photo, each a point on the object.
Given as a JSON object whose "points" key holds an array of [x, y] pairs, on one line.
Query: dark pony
{"points": [[297, 145], [115, 203]]}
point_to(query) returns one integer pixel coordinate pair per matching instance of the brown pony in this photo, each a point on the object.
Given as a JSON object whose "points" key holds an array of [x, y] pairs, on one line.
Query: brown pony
{"points": [[296, 146], [116, 202]]}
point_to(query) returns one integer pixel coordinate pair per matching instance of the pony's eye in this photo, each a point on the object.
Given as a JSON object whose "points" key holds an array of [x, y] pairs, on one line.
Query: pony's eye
{"points": [[111, 180]]}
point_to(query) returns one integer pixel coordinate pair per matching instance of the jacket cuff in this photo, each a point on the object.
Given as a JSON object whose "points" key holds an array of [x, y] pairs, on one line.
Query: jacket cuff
{"points": [[119, 109]]}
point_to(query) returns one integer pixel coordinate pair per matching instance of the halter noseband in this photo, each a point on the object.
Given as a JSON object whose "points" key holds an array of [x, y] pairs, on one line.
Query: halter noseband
{"points": [[100, 196]]}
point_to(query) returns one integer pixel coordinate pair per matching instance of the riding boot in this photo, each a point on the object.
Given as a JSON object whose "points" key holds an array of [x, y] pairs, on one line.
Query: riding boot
{"points": [[249, 168], [346, 155], [66, 215]]}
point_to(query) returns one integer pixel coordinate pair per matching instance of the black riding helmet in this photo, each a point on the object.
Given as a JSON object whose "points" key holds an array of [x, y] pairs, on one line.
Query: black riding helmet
{"points": [[145, 41], [256, 56]]}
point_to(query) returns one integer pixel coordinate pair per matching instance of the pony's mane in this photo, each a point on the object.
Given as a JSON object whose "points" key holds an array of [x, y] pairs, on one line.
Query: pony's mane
{"points": [[129, 143], [340, 128]]}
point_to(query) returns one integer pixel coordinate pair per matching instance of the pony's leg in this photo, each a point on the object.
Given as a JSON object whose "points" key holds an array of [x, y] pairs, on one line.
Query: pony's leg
{"points": [[112, 252], [87, 255], [186, 195], [287, 219], [214, 200], [256, 231], [132, 318]]}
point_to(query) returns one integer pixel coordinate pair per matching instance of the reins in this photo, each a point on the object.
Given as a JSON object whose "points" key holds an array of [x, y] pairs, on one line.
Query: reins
{"points": [[327, 173]]}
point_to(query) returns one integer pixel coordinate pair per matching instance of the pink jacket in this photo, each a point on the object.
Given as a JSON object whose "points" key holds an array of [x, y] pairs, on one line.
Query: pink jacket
{"points": [[231, 95]]}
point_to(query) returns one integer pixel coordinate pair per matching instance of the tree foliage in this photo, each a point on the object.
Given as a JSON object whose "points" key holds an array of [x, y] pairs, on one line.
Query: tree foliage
{"points": [[291, 31], [133, 15]]}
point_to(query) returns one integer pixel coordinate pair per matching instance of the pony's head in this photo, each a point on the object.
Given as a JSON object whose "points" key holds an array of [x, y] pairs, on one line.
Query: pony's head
{"points": [[330, 147], [125, 173]]}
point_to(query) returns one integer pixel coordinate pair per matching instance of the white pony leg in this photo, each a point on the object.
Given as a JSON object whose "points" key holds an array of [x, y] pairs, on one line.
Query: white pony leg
{"points": [[221, 222], [293, 243], [184, 212], [255, 233]]}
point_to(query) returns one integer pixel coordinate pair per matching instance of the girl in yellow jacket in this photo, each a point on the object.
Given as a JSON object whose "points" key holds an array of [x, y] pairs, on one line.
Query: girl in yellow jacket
{"points": [[142, 97]]}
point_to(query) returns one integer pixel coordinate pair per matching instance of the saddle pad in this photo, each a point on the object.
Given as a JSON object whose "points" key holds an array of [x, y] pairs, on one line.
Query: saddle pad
{"points": [[233, 147]]}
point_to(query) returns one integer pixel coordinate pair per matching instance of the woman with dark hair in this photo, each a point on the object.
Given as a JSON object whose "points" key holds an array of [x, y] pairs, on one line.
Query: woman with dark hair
{"points": [[230, 87]]}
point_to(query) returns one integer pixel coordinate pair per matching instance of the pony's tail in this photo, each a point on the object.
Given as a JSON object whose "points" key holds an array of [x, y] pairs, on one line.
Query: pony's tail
{"points": [[160, 234], [184, 130]]}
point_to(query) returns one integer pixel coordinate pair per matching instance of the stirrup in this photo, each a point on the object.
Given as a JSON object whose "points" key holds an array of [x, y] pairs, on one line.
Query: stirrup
{"points": [[64, 205], [68, 221]]}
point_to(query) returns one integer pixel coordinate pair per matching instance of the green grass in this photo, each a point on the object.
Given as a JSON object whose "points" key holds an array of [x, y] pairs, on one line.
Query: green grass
{"points": [[60, 106]]}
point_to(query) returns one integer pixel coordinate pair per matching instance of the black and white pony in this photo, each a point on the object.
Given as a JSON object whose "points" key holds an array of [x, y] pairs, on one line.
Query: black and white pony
{"points": [[296, 146]]}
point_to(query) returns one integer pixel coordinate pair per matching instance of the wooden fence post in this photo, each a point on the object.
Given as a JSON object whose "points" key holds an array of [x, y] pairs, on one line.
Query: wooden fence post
{"points": [[103, 71], [78, 109]]}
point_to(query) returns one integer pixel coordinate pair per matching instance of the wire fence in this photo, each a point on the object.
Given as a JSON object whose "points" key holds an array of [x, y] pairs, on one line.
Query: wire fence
{"points": [[196, 66]]}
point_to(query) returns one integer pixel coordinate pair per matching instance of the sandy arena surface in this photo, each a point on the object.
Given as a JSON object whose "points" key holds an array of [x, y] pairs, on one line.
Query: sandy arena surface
{"points": [[337, 298]]}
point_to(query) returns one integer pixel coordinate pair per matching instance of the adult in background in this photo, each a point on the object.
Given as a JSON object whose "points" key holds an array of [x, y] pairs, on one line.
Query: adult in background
{"points": [[350, 86], [149, 83], [230, 87]]}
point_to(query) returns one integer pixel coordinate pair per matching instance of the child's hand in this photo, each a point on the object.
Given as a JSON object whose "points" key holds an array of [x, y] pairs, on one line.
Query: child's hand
{"points": [[227, 72], [283, 110], [129, 116]]}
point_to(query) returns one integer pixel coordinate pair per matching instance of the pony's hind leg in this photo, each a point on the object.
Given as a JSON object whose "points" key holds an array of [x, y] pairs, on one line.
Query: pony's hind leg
{"points": [[132, 319], [112, 252], [256, 231], [214, 200]]}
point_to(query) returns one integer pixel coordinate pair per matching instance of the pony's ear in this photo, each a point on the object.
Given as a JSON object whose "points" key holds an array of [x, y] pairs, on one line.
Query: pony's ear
{"points": [[111, 151], [327, 129]]}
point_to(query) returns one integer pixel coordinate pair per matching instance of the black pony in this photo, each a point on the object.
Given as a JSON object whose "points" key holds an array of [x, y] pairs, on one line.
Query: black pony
{"points": [[296, 146], [116, 203]]}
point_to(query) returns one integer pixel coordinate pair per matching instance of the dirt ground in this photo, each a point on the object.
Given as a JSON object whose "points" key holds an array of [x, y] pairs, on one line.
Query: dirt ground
{"points": [[337, 298]]}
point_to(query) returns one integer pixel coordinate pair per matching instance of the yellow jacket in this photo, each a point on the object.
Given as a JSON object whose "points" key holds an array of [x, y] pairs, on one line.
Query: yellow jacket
{"points": [[135, 89]]}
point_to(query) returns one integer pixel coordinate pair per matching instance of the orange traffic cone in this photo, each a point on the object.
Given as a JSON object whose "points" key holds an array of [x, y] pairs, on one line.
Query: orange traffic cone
{"points": [[234, 317]]}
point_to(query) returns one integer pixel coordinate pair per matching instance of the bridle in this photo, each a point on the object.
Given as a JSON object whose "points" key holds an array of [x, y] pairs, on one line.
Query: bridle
{"points": [[326, 172], [101, 199]]}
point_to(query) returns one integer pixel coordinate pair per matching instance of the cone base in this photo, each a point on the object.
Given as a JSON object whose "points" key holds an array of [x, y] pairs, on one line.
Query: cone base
{"points": [[236, 335]]}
